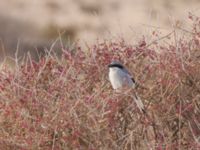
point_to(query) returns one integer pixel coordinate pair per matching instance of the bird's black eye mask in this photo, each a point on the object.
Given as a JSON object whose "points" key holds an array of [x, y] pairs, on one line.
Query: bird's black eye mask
{"points": [[115, 65]]}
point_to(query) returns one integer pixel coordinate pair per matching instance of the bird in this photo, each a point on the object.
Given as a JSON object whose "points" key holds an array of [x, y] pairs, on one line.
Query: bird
{"points": [[120, 77]]}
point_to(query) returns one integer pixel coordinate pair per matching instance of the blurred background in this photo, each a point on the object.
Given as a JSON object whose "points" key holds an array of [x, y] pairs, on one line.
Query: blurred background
{"points": [[34, 25]]}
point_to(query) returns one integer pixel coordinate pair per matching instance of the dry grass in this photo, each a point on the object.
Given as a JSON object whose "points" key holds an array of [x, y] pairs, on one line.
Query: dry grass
{"points": [[68, 103]]}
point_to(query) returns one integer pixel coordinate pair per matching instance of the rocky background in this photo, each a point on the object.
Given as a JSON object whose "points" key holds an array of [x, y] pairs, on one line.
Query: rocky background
{"points": [[34, 25]]}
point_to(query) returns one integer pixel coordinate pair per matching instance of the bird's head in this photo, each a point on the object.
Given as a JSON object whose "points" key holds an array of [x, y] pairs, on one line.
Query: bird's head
{"points": [[115, 64]]}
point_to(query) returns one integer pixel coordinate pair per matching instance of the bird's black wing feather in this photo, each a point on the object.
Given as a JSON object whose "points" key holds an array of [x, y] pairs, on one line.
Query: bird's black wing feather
{"points": [[133, 80]]}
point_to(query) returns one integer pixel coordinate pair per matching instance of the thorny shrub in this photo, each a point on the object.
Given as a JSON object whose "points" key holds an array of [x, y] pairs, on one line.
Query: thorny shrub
{"points": [[68, 103]]}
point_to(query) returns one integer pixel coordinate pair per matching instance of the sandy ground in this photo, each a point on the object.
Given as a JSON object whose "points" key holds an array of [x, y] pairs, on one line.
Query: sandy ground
{"points": [[35, 24]]}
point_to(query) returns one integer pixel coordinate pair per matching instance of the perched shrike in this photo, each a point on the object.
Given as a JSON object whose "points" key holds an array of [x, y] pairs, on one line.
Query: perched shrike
{"points": [[120, 77]]}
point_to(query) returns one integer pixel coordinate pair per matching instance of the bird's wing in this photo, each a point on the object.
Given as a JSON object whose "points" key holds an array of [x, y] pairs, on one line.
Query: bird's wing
{"points": [[126, 71], [128, 74], [133, 80]]}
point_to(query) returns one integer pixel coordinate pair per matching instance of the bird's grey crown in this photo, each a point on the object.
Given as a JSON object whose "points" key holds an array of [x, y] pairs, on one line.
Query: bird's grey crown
{"points": [[115, 64]]}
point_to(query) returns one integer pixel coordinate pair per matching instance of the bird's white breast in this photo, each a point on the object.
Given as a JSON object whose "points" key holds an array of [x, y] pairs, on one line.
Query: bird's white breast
{"points": [[118, 78]]}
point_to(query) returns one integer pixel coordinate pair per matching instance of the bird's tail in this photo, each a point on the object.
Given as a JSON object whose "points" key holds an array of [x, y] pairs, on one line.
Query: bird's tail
{"points": [[139, 103]]}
